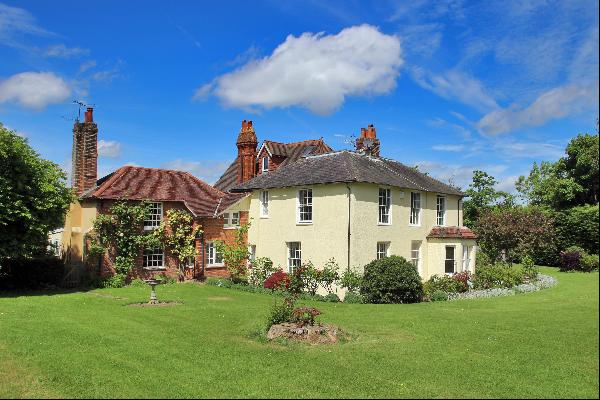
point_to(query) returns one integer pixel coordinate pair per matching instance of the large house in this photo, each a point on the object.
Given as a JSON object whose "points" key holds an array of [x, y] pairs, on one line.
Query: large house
{"points": [[304, 200]]}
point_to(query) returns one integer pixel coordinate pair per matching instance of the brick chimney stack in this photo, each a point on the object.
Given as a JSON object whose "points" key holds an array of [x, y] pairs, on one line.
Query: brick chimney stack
{"points": [[85, 153], [246, 144], [368, 143]]}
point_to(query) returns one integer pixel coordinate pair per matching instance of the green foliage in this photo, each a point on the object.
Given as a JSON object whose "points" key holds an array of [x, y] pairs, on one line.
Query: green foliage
{"points": [[332, 298], [178, 233], [500, 275], [578, 226], [236, 254], [34, 198], [121, 235], [260, 269], [481, 196], [311, 277], [31, 273], [529, 268], [330, 275], [115, 281], [510, 233], [351, 280], [441, 283], [391, 280], [571, 181], [439, 295], [353, 298], [281, 312], [589, 262]]}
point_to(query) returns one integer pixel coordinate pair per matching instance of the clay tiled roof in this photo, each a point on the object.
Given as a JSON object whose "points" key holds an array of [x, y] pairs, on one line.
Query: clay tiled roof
{"points": [[137, 183], [443, 232], [291, 152], [345, 167]]}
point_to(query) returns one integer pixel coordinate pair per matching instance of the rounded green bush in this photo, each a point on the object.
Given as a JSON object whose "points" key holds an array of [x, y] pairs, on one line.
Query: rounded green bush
{"points": [[391, 280], [332, 298], [439, 295], [353, 298]]}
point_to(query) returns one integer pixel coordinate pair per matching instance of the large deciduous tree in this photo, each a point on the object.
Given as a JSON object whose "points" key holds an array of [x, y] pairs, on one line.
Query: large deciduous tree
{"points": [[482, 195], [34, 197]]}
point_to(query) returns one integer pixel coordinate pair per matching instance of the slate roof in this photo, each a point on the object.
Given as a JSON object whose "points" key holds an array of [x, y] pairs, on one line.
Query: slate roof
{"points": [[137, 183], [345, 167], [291, 152], [443, 232]]}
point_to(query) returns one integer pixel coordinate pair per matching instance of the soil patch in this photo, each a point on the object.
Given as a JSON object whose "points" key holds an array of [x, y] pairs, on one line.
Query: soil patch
{"points": [[316, 334]]}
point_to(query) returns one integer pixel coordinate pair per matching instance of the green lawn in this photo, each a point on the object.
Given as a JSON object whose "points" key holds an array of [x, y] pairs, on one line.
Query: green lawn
{"points": [[88, 344]]}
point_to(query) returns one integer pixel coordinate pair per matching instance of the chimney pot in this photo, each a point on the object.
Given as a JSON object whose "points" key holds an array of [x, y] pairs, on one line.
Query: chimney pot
{"points": [[249, 125], [89, 115]]}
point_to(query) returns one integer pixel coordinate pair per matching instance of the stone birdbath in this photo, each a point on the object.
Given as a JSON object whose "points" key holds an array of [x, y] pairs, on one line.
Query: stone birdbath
{"points": [[153, 283]]}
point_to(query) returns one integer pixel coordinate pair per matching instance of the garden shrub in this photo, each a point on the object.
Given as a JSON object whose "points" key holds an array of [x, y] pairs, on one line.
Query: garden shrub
{"points": [[310, 277], [277, 281], [353, 298], [462, 278], [31, 273], [391, 280], [329, 275], [260, 269], [439, 295], [589, 262], [570, 261], [441, 283], [351, 280], [500, 275], [529, 268], [305, 315], [332, 298], [115, 281], [281, 312]]}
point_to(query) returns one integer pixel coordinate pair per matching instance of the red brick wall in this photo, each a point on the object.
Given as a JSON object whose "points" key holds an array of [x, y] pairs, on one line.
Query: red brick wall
{"points": [[212, 230]]}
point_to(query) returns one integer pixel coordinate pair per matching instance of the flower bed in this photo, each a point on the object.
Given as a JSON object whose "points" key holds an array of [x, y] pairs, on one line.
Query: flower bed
{"points": [[543, 282]]}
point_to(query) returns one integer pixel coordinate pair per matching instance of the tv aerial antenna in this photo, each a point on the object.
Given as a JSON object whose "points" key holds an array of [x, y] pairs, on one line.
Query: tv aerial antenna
{"points": [[80, 105]]}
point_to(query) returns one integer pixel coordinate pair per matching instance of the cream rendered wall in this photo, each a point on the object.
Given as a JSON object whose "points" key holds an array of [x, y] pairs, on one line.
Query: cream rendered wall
{"points": [[326, 237], [437, 255], [366, 231], [79, 220]]}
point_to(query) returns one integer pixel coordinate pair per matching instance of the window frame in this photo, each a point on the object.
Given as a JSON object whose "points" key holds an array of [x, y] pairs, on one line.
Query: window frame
{"points": [[212, 255], [448, 259], [413, 195], [264, 205], [149, 261], [228, 220], [419, 255], [299, 211], [381, 206], [293, 259], [437, 210], [265, 160], [386, 251], [466, 261], [151, 221]]}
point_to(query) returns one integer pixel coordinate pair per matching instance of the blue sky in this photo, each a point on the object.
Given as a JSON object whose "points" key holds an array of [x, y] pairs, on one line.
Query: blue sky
{"points": [[450, 86]]}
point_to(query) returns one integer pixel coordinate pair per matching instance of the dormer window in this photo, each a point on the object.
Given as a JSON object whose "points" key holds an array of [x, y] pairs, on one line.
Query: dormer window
{"points": [[265, 164]]}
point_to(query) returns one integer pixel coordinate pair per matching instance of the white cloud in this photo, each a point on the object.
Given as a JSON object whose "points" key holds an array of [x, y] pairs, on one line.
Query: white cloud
{"points": [[315, 71], [87, 65], [556, 103], [456, 85], [34, 89], [449, 147], [208, 171], [15, 22], [62, 51], [457, 174], [109, 148]]}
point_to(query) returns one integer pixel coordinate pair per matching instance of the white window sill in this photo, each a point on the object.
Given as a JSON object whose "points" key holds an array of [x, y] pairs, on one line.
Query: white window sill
{"points": [[231, 227], [304, 223], [415, 226], [264, 217], [154, 268], [150, 228], [384, 224], [215, 265]]}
